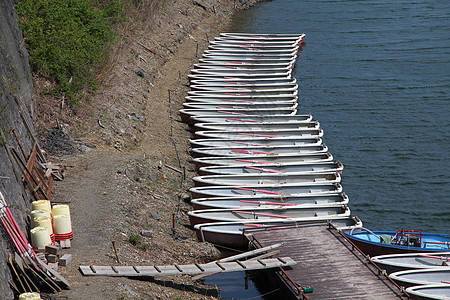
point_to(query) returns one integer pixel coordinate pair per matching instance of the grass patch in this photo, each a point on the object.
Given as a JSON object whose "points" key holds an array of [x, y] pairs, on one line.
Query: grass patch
{"points": [[134, 239]]}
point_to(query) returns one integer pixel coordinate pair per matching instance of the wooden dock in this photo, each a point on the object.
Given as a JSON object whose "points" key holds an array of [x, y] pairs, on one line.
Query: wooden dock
{"points": [[327, 262]]}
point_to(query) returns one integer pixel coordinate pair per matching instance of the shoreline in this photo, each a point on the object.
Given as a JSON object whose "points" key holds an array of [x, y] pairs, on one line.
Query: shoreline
{"points": [[122, 184]]}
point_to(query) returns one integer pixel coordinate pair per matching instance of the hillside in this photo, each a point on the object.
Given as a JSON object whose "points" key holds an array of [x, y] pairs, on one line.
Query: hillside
{"points": [[123, 140]]}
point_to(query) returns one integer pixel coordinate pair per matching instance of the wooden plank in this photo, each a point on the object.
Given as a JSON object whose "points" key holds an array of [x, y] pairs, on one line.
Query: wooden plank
{"points": [[31, 159], [130, 271]]}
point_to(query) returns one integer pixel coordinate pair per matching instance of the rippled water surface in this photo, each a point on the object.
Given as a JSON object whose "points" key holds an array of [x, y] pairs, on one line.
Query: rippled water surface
{"points": [[376, 75]]}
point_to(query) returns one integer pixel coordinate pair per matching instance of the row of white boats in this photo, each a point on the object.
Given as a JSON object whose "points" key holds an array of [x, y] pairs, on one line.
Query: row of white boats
{"points": [[261, 164]]}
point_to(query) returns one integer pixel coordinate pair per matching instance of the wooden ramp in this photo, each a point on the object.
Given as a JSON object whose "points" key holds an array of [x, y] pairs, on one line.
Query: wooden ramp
{"points": [[327, 263], [216, 267]]}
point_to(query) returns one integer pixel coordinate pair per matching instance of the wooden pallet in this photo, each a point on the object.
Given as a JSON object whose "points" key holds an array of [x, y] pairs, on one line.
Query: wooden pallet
{"points": [[217, 267]]}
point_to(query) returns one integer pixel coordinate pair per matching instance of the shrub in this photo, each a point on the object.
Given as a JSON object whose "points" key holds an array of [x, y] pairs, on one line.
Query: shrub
{"points": [[134, 239], [67, 39]]}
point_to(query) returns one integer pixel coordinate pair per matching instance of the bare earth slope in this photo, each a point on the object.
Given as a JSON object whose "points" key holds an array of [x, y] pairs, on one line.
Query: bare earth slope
{"points": [[128, 133]]}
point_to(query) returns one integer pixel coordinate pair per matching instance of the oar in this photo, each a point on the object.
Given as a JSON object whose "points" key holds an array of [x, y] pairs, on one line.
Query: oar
{"points": [[239, 101], [230, 112], [241, 120], [263, 170], [435, 256], [442, 243], [268, 203], [248, 152], [254, 161], [260, 191], [260, 135], [260, 214], [247, 144]]}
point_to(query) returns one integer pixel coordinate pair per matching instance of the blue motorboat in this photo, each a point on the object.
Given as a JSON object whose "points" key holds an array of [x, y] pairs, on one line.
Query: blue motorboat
{"points": [[374, 243]]}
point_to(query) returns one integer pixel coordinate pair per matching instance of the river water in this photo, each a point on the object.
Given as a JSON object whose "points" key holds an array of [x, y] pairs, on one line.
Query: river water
{"points": [[376, 75]]}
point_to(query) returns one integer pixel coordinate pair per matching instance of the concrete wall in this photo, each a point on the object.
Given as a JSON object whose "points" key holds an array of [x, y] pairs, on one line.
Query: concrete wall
{"points": [[15, 95]]}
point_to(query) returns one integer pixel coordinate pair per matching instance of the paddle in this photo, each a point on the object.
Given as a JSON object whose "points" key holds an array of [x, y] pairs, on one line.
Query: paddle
{"points": [[260, 214], [267, 203], [260, 191], [435, 256], [263, 170], [241, 120], [254, 161]]}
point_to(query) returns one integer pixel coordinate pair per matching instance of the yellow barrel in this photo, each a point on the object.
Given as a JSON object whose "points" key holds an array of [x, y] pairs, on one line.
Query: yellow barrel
{"points": [[44, 222], [38, 213], [30, 296], [61, 224], [61, 209], [40, 237], [42, 204]]}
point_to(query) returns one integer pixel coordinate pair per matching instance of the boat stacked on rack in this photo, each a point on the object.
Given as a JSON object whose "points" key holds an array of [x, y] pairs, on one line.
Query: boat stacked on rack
{"points": [[260, 163]]}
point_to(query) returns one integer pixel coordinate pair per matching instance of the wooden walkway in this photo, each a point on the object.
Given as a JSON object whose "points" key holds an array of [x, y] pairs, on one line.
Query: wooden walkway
{"points": [[326, 262], [209, 268]]}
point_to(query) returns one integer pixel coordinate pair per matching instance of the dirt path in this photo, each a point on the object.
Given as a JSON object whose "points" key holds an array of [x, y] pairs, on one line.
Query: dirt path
{"points": [[123, 186]]}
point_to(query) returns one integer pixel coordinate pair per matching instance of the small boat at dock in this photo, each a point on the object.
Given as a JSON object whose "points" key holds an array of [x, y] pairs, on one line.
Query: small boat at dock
{"points": [[271, 189], [245, 66], [253, 51], [286, 168], [268, 201], [268, 73], [255, 142], [243, 83], [278, 159], [261, 151], [263, 36], [244, 134], [374, 243], [239, 105], [248, 58], [186, 114], [291, 213], [238, 63], [429, 291], [250, 54], [290, 89], [412, 261], [246, 40], [253, 46], [267, 179], [256, 126], [254, 119], [231, 234], [408, 278], [222, 77]]}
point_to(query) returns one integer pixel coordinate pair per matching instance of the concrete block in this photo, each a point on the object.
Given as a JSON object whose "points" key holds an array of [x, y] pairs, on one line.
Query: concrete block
{"points": [[65, 260], [53, 249], [52, 258], [65, 244]]}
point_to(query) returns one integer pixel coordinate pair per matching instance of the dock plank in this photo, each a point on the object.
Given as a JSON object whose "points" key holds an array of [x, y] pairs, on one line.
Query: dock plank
{"points": [[325, 261]]}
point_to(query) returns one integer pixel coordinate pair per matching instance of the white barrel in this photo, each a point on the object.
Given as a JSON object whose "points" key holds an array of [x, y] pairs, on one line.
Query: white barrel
{"points": [[40, 237], [38, 213], [42, 204], [30, 296], [44, 222], [61, 209], [61, 224]]}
